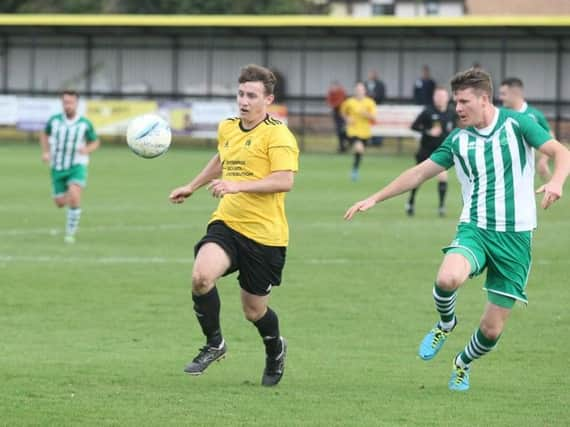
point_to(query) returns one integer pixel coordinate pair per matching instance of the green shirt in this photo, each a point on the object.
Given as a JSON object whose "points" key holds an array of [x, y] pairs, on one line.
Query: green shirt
{"points": [[66, 137], [495, 167]]}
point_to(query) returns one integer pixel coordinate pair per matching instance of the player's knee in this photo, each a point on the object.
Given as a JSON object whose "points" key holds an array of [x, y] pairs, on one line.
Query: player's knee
{"points": [[491, 331], [449, 280], [252, 314], [201, 283], [60, 203]]}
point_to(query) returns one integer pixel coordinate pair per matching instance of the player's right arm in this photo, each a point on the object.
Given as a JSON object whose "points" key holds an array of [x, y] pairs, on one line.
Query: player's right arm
{"points": [[44, 142], [211, 171], [408, 180], [45, 147]]}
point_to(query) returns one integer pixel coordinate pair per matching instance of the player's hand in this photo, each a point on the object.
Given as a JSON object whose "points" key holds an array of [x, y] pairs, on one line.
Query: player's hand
{"points": [[552, 192], [46, 157], [220, 188], [83, 150], [178, 195], [361, 206]]}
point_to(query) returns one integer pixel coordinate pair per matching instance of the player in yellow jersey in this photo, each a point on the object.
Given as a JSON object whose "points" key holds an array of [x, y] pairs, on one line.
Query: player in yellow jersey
{"points": [[359, 112], [255, 166]]}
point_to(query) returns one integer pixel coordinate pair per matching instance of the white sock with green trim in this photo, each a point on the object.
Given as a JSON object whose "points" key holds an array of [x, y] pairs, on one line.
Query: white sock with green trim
{"points": [[73, 215]]}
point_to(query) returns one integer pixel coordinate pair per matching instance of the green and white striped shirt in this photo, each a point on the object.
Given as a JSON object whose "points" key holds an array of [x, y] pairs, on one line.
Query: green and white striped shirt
{"points": [[495, 167], [66, 137], [536, 115]]}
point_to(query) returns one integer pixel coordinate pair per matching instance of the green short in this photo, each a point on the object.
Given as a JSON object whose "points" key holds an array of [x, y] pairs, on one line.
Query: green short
{"points": [[60, 180], [506, 255]]}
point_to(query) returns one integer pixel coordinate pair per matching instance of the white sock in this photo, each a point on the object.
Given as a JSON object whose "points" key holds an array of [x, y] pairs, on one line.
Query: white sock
{"points": [[73, 215], [459, 362], [447, 326]]}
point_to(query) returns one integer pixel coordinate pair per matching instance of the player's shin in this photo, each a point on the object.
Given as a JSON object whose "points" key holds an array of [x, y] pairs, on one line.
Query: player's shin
{"points": [[207, 310], [478, 346], [445, 305], [73, 216], [268, 328]]}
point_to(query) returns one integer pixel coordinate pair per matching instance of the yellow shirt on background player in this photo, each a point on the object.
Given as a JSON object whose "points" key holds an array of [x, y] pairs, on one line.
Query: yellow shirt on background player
{"points": [[358, 125], [251, 155]]}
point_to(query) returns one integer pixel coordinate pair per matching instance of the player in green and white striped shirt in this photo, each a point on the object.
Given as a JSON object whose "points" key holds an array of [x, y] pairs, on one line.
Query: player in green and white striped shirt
{"points": [[67, 141], [511, 94], [494, 160]]}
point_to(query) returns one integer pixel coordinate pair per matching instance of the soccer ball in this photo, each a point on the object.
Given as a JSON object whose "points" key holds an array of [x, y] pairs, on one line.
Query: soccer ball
{"points": [[148, 136]]}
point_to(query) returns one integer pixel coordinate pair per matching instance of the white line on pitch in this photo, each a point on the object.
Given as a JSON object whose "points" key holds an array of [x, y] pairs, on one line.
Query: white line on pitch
{"points": [[189, 260]]}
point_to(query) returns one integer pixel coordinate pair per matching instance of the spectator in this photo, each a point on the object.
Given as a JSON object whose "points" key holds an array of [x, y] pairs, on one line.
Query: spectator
{"points": [[434, 123], [335, 97], [424, 88], [280, 90], [375, 88]]}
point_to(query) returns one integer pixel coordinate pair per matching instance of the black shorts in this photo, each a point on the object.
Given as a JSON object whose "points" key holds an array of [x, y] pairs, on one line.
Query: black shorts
{"points": [[259, 266], [353, 139]]}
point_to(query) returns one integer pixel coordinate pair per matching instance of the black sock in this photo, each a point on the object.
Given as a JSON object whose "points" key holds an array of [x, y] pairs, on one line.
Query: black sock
{"points": [[207, 309], [357, 158], [268, 328], [442, 189], [412, 199]]}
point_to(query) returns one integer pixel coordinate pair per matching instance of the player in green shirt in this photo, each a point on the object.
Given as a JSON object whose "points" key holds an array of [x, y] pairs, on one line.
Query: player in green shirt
{"points": [[493, 155], [67, 141], [511, 94]]}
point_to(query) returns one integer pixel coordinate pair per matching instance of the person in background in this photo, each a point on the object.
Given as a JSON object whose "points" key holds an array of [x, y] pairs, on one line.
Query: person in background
{"points": [[67, 141], [335, 97], [424, 88], [511, 94], [359, 111], [375, 89], [434, 124]]}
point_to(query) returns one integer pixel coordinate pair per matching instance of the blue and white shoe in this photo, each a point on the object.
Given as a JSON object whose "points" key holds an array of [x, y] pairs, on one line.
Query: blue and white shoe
{"points": [[459, 380], [433, 341]]}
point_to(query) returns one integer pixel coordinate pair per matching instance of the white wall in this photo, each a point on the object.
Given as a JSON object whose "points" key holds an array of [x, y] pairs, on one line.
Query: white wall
{"points": [[135, 63]]}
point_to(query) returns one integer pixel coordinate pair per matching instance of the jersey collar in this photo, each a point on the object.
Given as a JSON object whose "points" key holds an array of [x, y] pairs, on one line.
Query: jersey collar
{"points": [[71, 121], [523, 108], [486, 131], [249, 130]]}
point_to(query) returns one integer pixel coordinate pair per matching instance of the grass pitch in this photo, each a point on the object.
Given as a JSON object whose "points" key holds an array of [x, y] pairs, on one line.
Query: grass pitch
{"points": [[97, 333]]}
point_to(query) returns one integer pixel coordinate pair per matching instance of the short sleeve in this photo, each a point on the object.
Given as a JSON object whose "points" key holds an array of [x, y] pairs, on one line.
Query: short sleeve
{"points": [[443, 155], [283, 150], [532, 132], [543, 122], [48, 126], [90, 135]]}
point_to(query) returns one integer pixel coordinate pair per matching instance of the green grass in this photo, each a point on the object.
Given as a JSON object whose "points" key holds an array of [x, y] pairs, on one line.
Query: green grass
{"points": [[98, 333]]}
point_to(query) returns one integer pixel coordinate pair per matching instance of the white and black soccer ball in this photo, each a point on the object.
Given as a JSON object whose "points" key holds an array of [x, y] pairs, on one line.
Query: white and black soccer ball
{"points": [[149, 136]]}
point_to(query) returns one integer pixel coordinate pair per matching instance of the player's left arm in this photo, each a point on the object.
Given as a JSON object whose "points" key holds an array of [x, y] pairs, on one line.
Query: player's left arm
{"points": [[283, 155], [92, 141], [370, 111], [542, 166], [553, 188], [275, 182], [91, 146]]}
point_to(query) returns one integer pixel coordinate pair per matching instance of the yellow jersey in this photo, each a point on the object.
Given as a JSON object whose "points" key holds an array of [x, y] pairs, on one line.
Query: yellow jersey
{"points": [[357, 125], [253, 154]]}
